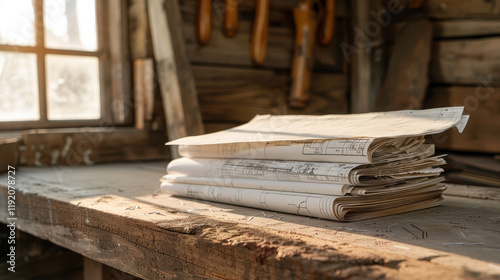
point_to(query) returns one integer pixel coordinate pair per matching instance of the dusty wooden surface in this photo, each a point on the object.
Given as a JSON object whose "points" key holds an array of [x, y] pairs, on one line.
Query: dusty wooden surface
{"points": [[112, 213]]}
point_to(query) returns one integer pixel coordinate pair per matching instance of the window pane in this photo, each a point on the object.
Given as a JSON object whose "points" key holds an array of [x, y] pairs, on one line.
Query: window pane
{"points": [[70, 24], [17, 23], [73, 87], [18, 87]]}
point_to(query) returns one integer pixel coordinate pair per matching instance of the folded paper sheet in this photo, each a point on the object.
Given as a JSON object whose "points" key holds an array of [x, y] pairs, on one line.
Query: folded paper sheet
{"points": [[267, 128], [340, 208], [369, 150], [309, 172]]}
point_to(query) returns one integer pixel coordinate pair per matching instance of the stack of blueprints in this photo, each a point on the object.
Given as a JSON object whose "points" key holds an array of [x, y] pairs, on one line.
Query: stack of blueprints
{"points": [[338, 167]]}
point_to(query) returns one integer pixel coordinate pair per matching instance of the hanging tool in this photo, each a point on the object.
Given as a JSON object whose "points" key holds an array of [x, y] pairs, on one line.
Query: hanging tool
{"points": [[259, 36], [327, 23], [231, 18], [305, 28], [203, 26]]}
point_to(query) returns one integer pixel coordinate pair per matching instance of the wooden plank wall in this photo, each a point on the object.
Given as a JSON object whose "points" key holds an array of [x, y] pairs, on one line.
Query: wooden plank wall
{"points": [[465, 69], [231, 89]]}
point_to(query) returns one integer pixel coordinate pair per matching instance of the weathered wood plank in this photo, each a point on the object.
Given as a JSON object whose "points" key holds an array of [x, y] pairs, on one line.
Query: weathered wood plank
{"points": [[465, 62], [462, 9], [110, 211], [473, 192], [454, 28], [238, 94], [328, 95], [465, 28], [72, 147], [235, 51], [405, 83], [361, 74], [9, 149], [144, 88], [177, 86], [482, 103], [93, 270], [119, 55], [139, 30]]}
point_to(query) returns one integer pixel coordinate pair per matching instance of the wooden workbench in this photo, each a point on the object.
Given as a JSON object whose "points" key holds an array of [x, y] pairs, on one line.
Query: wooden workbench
{"points": [[113, 213]]}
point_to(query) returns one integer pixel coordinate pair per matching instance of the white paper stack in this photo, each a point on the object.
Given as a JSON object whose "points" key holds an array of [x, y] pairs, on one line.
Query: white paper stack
{"points": [[339, 167]]}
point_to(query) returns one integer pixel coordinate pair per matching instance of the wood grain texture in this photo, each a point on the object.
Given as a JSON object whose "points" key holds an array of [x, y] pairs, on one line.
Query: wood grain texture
{"points": [[9, 149], [473, 192], [465, 62], [465, 28], [462, 9], [120, 73], [93, 270], [144, 89], [139, 30], [482, 103], [110, 211], [180, 100], [237, 95], [405, 83], [361, 69], [236, 51], [72, 147], [454, 28]]}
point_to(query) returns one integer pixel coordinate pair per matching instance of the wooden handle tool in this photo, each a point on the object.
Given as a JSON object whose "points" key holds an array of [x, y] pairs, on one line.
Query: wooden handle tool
{"points": [[203, 26], [259, 36], [305, 26], [327, 23], [231, 18]]}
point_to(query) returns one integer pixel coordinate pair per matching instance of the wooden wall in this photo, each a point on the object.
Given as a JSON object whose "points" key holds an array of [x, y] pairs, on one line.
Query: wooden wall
{"points": [[465, 69], [462, 65], [231, 89]]}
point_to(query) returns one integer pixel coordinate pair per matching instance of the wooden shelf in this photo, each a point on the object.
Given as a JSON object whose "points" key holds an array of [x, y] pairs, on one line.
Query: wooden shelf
{"points": [[112, 213]]}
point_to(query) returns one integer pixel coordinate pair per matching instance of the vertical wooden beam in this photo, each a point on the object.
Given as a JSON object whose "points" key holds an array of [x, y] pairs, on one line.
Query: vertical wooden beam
{"points": [[139, 30], [361, 60], [143, 91], [179, 96], [405, 84], [40, 43], [378, 62], [92, 270], [9, 149], [141, 51], [119, 61]]}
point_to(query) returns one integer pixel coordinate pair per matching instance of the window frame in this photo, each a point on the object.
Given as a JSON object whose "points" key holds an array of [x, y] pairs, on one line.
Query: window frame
{"points": [[114, 68]]}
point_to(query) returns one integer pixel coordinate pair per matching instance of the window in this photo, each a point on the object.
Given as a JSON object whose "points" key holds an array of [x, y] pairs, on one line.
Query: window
{"points": [[53, 63]]}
